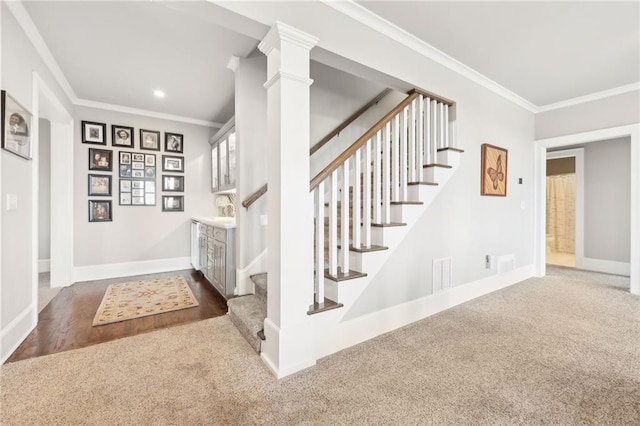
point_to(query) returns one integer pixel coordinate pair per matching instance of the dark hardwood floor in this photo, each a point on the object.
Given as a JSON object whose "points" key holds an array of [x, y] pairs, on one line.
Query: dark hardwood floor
{"points": [[66, 322]]}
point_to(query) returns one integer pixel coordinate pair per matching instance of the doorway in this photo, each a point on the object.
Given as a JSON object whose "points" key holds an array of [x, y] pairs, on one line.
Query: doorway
{"points": [[565, 208]]}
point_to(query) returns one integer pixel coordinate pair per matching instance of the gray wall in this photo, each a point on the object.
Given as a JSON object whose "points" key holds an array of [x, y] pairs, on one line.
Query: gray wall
{"points": [[613, 111], [44, 191], [140, 233], [607, 187]]}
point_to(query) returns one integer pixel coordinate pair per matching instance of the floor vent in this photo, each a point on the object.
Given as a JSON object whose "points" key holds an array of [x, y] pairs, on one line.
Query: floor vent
{"points": [[506, 263], [442, 273]]}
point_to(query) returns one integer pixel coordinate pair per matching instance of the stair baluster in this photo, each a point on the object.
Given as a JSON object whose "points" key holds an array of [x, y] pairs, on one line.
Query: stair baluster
{"points": [[357, 165], [403, 155], [395, 158], [386, 174], [344, 222], [319, 260], [412, 143], [366, 201], [377, 176], [333, 224], [429, 150]]}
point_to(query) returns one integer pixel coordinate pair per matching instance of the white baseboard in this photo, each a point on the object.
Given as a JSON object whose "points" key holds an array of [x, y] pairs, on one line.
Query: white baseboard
{"points": [[606, 266], [16, 331], [358, 330], [115, 270], [244, 285], [44, 265]]}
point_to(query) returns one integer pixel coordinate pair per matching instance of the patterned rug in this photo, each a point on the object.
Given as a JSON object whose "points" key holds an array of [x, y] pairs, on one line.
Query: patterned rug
{"points": [[137, 299]]}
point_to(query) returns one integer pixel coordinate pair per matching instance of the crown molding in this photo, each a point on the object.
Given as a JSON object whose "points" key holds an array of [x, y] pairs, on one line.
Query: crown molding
{"points": [[591, 97], [145, 113], [30, 29], [363, 15]]}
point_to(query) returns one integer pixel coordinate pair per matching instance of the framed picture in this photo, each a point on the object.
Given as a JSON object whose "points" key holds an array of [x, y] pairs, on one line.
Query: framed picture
{"points": [[16, 126], [172, 163], [100, 211], [100, 159], [172, 183], [173, 142], [125, 185], [137, 174], [137, 201], [137, 184], [125, 171], [150, 160], [172, 203], [100, 185], [125, 199], [150, 186], [94, 133], [150, 139], [137, 157], [493, 178], [137, 165], [122, 136], [125, 157]]}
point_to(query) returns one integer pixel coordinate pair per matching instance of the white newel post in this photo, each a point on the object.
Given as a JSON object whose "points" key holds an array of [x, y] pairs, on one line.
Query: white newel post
{"points": [[288, 346]]}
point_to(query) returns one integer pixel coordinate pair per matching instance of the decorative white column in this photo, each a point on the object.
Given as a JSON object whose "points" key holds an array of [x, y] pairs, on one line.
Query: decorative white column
{"points": [[288, 346]]}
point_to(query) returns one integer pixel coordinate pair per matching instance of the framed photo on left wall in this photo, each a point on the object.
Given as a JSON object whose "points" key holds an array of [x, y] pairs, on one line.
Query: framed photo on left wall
{"points": [[16, 126], [100, 211]]}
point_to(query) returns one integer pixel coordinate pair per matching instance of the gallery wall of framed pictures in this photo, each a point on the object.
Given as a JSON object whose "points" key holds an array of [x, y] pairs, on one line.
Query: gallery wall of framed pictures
{"points": [[136, 168]]}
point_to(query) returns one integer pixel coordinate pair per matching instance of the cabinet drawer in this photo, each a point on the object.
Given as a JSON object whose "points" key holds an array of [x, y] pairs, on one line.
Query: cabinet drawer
{"points": [[220, 234]]}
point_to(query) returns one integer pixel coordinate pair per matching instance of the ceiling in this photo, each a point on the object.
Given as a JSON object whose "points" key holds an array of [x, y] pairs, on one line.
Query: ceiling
{"points": [[546, 52]]}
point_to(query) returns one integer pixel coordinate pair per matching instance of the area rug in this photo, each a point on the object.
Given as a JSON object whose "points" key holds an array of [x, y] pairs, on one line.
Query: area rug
{"points": [[136, 299]]}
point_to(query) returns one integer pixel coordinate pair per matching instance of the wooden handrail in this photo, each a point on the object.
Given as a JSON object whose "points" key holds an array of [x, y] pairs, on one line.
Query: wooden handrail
{"points": [[254, 197], [361, 141], [353, 117]]}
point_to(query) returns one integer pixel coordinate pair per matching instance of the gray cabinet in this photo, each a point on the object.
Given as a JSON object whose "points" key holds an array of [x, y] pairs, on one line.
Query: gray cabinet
{"points": [[223, 158], [217, 257]]}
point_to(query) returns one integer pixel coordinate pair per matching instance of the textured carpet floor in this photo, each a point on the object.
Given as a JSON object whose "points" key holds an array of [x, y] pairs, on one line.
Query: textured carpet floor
{"points": [[560, 350]]}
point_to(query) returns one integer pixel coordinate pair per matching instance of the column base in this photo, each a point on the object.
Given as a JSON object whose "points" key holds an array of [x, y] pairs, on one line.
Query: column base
{"points": [[287, 351]]}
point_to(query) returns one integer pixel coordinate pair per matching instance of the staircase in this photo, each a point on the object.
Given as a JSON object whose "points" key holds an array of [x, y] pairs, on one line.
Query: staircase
{"points": [[388, 177]]}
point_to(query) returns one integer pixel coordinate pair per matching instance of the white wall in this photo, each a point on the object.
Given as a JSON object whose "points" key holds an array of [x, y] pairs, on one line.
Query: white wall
{"points": [[44, 191], [607, 200], [139, 233], [19, 61], [613, 111], [251, 134]]}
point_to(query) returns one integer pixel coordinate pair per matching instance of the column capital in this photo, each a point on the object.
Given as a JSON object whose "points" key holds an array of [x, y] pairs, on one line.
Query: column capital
{"points": [[280, 32]]}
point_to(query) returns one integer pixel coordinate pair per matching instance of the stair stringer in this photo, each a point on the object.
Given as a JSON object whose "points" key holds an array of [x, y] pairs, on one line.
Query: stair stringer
{"points": [[331, 332]]}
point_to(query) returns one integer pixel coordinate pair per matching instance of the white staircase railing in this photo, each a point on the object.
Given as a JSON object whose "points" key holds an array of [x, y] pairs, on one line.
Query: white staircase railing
{"points": [[378, 167]]}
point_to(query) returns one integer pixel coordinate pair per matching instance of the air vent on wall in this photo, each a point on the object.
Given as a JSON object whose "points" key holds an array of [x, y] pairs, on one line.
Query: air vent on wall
{"points": [[506, 263], [442, 273]]}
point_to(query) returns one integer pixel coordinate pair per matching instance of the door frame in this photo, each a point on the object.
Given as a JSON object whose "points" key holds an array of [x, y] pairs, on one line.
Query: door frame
{"points": [[48, 106], [578, 154], [540, 172]]}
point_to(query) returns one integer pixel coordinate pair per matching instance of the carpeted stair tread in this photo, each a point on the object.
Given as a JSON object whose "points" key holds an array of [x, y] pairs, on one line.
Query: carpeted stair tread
{"points": [[260, 281], [248, 313]]}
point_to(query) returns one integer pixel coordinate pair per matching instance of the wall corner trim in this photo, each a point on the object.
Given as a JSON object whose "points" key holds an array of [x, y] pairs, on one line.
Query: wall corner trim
{"points": [[116, 270]]}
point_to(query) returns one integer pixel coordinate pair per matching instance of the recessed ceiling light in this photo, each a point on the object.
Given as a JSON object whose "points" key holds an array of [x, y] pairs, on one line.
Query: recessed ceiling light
{"points": [[158, 93]]}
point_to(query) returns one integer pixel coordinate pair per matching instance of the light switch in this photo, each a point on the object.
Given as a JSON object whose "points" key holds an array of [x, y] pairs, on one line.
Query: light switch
{"points": [[12, 202]]}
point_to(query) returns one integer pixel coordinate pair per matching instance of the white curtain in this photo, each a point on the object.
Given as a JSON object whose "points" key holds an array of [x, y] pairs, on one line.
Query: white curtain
{"points": [[561, 212]]}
